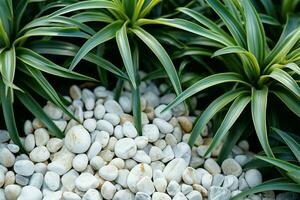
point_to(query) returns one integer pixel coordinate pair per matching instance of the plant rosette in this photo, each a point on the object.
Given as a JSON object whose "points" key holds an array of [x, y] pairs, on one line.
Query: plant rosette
{"points": [[104, 157]]}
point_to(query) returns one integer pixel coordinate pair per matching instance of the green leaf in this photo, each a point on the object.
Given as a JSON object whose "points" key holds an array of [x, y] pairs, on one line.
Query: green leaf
{"points": [[232, 115], [282, 184], [39, 62], [286, 166], [190, 27], [30, 103], [205, 83], [84, 5], [67, 49], [105, 34], [205, 21], [293, 145], [53, 31], [8, 112], [189, 51], [231, 23], [290, 100], [288, 38], [251, 66], [294, 67], [161, 54], [211, 111], [4, 40], [136, 109], [235, 133], [286, 80], [90, 16], [125, 51], [293, 56], [42, 81], [149, 8], [267, 19], [256, 39], [8, 68], [137, 10], [259, 100]]}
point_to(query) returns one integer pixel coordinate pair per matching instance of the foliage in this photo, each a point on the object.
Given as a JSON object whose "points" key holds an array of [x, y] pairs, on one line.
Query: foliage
{"points": [[22, 69], [260, 71]]}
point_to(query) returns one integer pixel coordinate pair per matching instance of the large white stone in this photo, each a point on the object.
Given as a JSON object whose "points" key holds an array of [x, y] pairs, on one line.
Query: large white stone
{"points": [[174, 169], [24, 167], [136, 174], [77, 139], [125, 148]]}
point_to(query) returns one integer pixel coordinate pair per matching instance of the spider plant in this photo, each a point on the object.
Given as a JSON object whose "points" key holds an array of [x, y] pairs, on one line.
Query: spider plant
{"points": [[290, 168], [120, 19], [22, 69], [257, 70]]}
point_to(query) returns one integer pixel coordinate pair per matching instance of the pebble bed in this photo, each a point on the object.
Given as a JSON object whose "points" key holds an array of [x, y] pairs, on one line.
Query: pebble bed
{"points": [[103, 157]]}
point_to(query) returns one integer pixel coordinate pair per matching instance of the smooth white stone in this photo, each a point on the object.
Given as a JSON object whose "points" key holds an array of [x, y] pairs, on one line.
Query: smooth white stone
{"points": [[30, 192], [103, 125], [142, 196], [108, 190], [86, 181], [124, 194], [170, 139], [112, 118], [68, 180], [183, 150], [160, 184], [141, 142], [218, 180], [111, 106], [61, 162], [145, 185], [190, 176], [94, 150], [2, 179], [125, 148], [77, 139], [160, 196], [80, 162], [163, 115], [109, 172], [194, 195], [136, 174], [54, 144], [102, 137], [22, 180], [53, 196], [13, 148], [97, 162], [88, 98], [39, 154], [36, 180], [118, 132], [173, 188], [129, 130], [231, 167], [61, 124], [206, 180], [52, 180], [179, 196], [99, 111], [71, 196], [24, 167], [142, 157], [90, 124], [122, 177], [41, 136], [253, 177], [155, 153], [174, 169], [7, 159], [28, 128], [163, 125], [212, 166], [219, 193], [151, 132], [125, 103], [12, 192], [75, 92], [52, 111], [92, 194], [168, 154], [185, 189], [40, 168]]}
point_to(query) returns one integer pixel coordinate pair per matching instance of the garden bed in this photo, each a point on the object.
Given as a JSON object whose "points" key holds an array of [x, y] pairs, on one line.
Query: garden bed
{"points": [[103, 157]]}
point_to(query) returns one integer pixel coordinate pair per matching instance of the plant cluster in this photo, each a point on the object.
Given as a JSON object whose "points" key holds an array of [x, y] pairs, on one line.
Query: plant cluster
{"points": [[248, 50]]}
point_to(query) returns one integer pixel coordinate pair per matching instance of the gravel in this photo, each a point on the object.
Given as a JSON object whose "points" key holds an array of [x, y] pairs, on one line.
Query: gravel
{"points": [[103, 156]]}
